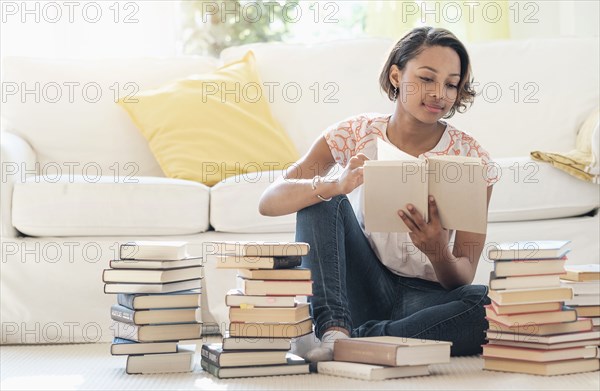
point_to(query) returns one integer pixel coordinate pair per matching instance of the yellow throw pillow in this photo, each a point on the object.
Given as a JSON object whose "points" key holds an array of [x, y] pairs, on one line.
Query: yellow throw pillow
{"points": [[211, 126]]}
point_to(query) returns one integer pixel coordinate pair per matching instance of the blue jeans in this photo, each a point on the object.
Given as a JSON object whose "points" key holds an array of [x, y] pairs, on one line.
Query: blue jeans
{"points": [[354, 290]]}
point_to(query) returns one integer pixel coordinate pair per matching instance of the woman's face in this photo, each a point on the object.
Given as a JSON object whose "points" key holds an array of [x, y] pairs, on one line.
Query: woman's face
{"points": [[428, 85]]}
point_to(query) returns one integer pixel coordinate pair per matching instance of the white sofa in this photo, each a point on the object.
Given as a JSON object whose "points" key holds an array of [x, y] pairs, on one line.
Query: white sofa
{"points": [[78, 178]]}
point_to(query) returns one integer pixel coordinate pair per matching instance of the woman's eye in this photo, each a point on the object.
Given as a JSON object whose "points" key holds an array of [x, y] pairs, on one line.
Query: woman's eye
{"points": [[425, 79], [452, 86]]}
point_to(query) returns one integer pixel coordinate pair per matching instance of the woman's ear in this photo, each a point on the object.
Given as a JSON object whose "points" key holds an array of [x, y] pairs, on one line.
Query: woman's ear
{"points": [[395, 75]]}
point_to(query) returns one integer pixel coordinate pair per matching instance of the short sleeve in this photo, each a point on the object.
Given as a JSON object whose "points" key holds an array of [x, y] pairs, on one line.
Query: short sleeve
{"points": [[341, 138], [491, 170]]}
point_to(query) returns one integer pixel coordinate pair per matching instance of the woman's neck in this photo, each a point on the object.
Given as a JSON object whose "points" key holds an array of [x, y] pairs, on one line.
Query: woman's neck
{"points": [[405, 131]]}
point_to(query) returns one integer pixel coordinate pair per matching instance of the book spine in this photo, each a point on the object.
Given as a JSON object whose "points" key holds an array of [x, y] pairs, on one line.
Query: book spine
{"points": [[122, 314], [126, 331], [286, 262], [210, 355], [378, 354], [126, 300], [210, 368]]}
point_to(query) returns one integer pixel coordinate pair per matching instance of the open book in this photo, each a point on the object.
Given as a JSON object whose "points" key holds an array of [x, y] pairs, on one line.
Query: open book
{"points": [[396, 178]]}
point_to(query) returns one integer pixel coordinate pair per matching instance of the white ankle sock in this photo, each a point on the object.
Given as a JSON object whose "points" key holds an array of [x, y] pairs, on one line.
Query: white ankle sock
{"points": [[324, 352]]}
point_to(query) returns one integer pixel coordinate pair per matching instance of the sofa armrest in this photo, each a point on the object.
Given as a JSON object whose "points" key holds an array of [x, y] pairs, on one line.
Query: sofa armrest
{"points": [[16, 156]]}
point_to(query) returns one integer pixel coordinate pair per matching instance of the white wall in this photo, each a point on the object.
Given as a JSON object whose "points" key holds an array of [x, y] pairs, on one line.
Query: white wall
{"points": [[88, 28], [545, 19]]}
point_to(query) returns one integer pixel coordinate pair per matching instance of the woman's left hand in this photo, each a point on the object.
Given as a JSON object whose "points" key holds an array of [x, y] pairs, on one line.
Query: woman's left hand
{"points": [[431, 238]]}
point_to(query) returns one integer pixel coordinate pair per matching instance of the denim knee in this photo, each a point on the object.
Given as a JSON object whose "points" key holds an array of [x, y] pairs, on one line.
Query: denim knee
{"points": [[317, 212], [475, 294]]}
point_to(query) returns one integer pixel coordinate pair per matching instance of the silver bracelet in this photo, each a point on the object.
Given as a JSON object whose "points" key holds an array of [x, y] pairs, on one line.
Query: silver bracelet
{"points": [[314, 187]]}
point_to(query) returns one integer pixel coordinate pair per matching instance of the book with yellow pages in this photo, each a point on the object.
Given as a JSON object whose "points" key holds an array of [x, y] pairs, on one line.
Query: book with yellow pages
{"points": [[539, 355], [531, 296], [542, 368], [531, 330], [392, 351], [566, 314], [395, 179], [581, 273], [256, 248]]}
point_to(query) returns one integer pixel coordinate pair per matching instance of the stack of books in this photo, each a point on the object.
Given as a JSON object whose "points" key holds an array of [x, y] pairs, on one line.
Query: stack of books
{"points": [[380, 358], [265, 311], [158, 287], [585, 282], [531, 329]]}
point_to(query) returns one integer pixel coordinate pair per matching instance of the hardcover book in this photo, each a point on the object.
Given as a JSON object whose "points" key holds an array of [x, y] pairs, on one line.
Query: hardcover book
{"points": [[456, 182], [529, 249], [255, 262], [153, 250], [277, 274], [564, 315], [294, 366], [152, 288], [257, 248], [138, 276], [123, 347], [236, 298], [161, 316], [271, 330], [391, 351], [214, 353], [182, 361], [542, 368], [145, 301], [581, 273], [154, 264], [284, 315], [530, 296], [271, 287], [368, 371], [156, 333]]}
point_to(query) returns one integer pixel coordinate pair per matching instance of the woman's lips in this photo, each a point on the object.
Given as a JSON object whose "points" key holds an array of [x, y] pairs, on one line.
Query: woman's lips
{"points": [[432, 109]]}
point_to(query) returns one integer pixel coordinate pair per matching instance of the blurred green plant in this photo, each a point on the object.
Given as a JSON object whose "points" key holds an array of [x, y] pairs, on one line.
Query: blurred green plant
{"points": [[209, 26]]}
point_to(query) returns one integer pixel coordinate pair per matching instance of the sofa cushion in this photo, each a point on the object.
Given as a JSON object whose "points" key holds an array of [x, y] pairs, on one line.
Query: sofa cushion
{"points": [[82, 206], [207, 127], [234, 205], [526, 190], [70, 118], [531, 190]]}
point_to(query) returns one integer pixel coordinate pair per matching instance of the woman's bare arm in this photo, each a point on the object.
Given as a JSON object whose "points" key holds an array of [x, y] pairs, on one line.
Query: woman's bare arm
{"points": [[293, 191]]}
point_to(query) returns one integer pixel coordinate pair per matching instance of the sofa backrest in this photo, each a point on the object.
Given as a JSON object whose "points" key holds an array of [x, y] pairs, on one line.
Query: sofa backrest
{"points": [[534, 94], [66, 110]]}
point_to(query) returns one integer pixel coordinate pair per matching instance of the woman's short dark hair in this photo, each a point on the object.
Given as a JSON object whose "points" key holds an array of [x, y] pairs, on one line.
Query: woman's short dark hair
{"points": [[413, 43]]}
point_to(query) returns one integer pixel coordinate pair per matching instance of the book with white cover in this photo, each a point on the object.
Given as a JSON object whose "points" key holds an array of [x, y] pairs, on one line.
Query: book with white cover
{"points": [[368, 371], [528, 249], [153, 288], [583, 288], [155, 264], [396, 179], [153, 250]]}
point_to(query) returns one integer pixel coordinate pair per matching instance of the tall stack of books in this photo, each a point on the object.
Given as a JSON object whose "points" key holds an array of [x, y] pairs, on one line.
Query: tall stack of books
{"points": [[531, 329], [585, 282], [380, 358], [264, 311], [158, 287]]}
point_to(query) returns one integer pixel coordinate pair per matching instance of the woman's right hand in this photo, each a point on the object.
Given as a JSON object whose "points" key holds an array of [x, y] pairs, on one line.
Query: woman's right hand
{"points": [[352, 176]]}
